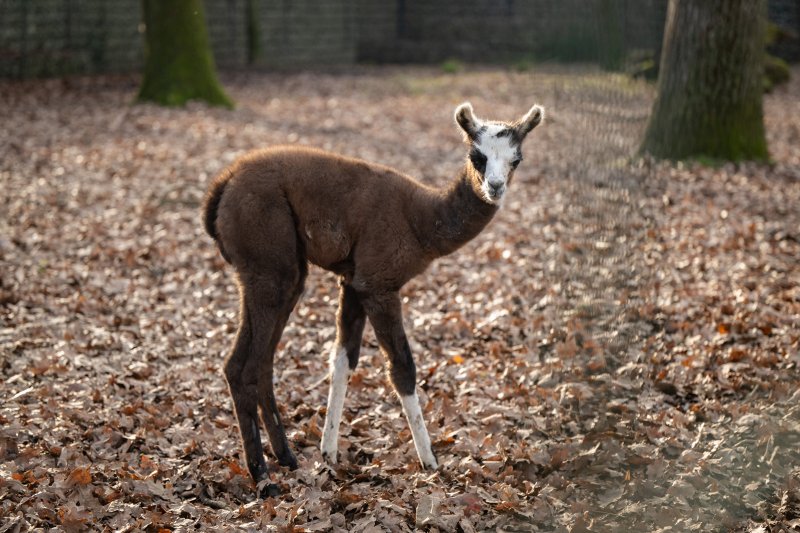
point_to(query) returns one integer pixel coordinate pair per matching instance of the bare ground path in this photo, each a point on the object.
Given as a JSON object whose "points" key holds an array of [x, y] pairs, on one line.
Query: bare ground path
{"points": [[617, 352]]}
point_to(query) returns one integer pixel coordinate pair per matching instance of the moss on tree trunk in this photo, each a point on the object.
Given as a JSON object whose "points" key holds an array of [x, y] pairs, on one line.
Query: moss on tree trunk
{"points": [[178, 63], [710, 82]]}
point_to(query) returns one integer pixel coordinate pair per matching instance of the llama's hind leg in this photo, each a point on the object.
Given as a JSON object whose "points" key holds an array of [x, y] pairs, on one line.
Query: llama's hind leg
{"points": [[244, 393], [261, 240], [266, 395], [385, 315], [265, 304], [350, 320]]}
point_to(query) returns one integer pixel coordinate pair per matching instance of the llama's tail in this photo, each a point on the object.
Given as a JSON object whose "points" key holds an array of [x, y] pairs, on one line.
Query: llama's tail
{"points": [[210, 207]]}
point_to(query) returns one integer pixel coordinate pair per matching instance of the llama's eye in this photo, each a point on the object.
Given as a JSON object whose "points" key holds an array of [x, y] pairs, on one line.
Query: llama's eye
{"points": [[515, 163], [478, 161]]}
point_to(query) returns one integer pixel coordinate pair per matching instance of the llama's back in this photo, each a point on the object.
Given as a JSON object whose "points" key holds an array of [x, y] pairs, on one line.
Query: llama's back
{"points": [[322, 185], [307, 171], [333, 201]]}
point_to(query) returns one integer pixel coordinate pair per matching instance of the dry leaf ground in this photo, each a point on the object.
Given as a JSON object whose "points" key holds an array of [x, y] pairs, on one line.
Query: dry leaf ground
{"points": [[618, 351]]}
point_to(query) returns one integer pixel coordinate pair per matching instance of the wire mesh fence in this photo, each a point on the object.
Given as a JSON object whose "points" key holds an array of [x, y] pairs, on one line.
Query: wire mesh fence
{"points": [[58, 37], [55, 37]]}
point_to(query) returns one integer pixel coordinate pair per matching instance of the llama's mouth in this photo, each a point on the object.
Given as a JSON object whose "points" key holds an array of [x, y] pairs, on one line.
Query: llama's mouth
{"points": [[493, 196]]}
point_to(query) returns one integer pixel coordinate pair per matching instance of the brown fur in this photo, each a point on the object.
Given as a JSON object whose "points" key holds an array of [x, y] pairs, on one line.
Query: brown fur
{"points": [[336, 202], [274, 210]]}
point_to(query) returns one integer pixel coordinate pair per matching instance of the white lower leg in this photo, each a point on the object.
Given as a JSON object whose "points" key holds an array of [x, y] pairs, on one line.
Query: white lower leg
{"points": [[422, 441], [340, 373]]}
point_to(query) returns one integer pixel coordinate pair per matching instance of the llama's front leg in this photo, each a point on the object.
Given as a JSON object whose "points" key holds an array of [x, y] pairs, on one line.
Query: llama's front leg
{"points": [[350, 320], [385, 315]]}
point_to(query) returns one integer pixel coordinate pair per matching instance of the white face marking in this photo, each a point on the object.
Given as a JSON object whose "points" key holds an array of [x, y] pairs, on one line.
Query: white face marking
{"points": [[340, 373], [422, 441], [500, 153]]}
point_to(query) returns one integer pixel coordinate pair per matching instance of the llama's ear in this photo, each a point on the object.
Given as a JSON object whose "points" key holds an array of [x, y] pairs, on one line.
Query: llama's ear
{"points": [[531, 119], [466, 119]]}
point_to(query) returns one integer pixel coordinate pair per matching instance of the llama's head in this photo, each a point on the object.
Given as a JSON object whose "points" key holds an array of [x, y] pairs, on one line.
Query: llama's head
{"points": [[495, 148]]}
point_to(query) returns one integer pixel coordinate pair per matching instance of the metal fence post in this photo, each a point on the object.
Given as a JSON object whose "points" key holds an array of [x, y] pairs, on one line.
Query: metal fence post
{"points": [[24, 40]]}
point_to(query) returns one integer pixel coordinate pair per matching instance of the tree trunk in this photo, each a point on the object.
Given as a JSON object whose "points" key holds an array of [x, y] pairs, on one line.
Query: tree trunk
{"points": [[710, 82], [178, 63]]}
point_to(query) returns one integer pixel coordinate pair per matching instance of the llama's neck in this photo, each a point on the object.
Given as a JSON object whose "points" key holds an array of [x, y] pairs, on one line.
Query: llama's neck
{"points": [[456, 216]]}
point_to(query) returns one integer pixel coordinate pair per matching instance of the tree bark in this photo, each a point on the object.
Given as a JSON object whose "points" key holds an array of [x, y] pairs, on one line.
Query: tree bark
{"points": [[710, 83], [178, 63]]}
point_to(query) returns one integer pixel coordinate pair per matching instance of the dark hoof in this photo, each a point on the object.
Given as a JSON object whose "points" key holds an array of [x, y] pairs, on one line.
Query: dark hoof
{"points": [[259, 470], [270, 490], [288, 460]]}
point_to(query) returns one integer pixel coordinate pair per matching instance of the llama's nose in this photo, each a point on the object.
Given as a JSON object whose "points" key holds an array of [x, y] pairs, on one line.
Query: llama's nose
{"points": [[495, 187]]}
